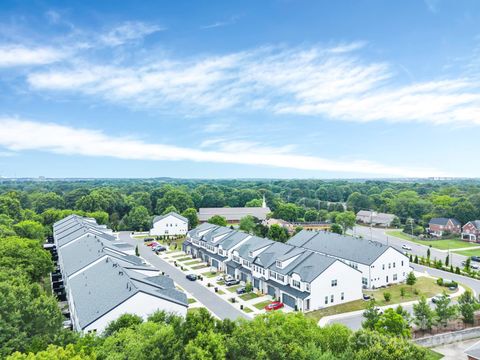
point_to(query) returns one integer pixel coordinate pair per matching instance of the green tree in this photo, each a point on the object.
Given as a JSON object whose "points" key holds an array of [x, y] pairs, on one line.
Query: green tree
{"points": [[277, 233], [30, 229], [218, 220], [371, 315], [467, 305], [170, 209], [411, 278], [206, 346], [336, 228], [191, 215], [288, 212], [423, 315], [181, 200], [49, 200], [392, 323], [123, 322], [311, 215], [10, 207], [346, 220], [247, 224], [138, 219], [254, 203], [53, 352], [443, 310], [357, 202]]}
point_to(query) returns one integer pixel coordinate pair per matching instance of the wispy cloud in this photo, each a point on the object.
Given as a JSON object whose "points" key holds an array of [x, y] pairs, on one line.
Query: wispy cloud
{"points": [[19, 55], [232, 20], [327, 81], [129, 31], [20, 135]]}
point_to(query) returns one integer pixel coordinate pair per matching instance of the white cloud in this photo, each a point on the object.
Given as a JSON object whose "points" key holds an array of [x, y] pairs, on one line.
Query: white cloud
{"points": [[129, 31], [21, 135], [332, 82], [19, 55]]}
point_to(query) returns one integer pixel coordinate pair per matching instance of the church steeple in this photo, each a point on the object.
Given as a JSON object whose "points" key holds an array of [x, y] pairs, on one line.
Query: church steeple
{"points": [[264, 202]]}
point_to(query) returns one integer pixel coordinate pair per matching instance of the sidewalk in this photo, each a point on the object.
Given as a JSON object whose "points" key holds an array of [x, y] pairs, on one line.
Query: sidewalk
{"points": [[326, 319]]}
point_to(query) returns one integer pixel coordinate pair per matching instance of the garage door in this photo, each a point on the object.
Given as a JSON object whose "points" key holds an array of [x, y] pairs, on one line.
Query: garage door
{"points": [[231, 271], [243, 277], [256, 283], [288, 300], [271, 290], [215, 263]]}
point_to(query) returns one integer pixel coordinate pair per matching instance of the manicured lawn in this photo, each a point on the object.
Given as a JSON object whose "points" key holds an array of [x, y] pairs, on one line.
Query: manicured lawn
{"points": [[199, 267], [425, 286], [209, 274], [249, 296], [438, 244], [433, 355], [247, 310], [221, 282], [233, 288], [468, 252], [220, 292], [262, 304], [178, 256], [191, 301], [185, 258], [196, 261]]}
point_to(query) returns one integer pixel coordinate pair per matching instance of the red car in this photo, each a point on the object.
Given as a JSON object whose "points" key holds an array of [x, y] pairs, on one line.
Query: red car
{"points": [[153, 243], [274, 306]]}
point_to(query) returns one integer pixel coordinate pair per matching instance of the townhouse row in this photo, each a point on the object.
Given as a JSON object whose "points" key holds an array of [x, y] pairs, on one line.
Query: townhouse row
{"points": [[313, 270], [103, 279]]}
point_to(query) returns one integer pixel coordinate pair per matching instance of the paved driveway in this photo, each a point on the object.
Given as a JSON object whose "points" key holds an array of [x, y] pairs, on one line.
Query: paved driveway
{"points": [[456, 350], [215, 304]]}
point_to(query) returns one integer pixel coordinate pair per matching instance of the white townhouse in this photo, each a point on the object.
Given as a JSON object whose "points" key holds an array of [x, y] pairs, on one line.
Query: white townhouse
{"points": [[300, 278], [379, 264], [171, 224], [102, 279]]}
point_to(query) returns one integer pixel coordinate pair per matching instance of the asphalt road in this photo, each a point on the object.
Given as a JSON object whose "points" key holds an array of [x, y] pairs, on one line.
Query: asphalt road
{"points": [[355, 321], [215, 304], [417, 249]]}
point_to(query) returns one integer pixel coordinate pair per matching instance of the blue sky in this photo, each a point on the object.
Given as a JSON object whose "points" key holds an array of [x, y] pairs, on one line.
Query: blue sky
{"points": [[209, 89]]}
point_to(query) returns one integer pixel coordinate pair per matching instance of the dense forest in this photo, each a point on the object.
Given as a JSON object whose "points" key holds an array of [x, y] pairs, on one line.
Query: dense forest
{"points": [[31, 321]]}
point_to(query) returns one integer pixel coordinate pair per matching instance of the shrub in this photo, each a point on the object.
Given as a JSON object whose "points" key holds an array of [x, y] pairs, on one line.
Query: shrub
{"points": [[440, 281], [387, 296], [402, 292]]}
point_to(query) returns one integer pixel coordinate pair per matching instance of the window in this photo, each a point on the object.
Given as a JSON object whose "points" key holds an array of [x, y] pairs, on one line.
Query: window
{"points": [[271, 274], [280, 277], [307, 306], [334, 282], [394, 265], [364, 281], [394, 277], [383, 266], [307, 286], [402, 262], [296, 283], [331, 298], [279, 264], [389, 265], [342, 296], [326, 299]]}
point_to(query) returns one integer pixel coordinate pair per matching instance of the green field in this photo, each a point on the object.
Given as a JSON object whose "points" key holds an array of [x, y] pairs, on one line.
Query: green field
{"points": [[425, 286], [438, 244], [473, 252]]}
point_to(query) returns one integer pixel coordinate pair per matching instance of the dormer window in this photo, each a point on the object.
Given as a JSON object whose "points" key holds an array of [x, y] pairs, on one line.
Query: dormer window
{"points": [[279, 264], [250, 253]]}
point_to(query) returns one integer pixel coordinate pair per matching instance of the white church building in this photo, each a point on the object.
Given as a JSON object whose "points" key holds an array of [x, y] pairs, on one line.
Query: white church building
{"points": [[171, 224]]}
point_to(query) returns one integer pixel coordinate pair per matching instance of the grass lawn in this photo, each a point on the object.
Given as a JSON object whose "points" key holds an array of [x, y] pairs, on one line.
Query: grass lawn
{"points": [[199, 267], [249, 296], [209, 274], [196, 261], [247, 310], [425, 286], [262, 304], [233, 288], [191, 301], [184, 258], [438, 244], [178, 256], [433, 355], [472, 252], [220, 292], [221, 282]]}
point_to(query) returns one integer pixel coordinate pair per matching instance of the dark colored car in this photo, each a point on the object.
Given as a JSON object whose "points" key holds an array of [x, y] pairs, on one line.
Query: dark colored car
{"points": [[475, 258], [366, 297], [232, 282], [192, 277], [274, 306], [159, 248], [241, 290]]}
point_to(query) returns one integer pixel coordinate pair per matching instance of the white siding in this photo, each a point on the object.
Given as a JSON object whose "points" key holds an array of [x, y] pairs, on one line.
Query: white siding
{"points": [[384, 267], [170, 226]]}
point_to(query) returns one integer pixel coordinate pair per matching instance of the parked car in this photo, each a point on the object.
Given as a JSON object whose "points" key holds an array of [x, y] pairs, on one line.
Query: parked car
{"points": [[275, 305], [366, 297], [475, 258], [475, 266], [153, 244], [191, 277], [220, 278], [437, 298], [241, 290], [232, 282], [148, 239], [406, 247], [159, 248]]}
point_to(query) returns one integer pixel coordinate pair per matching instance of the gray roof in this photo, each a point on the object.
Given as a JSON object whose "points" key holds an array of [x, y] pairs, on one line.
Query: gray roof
{"points": [[312, 266], [233, 213], [233, 240], [171, 213], [270, 255], [253, 244], [202, 227], [473, 351], [346, 247], [288, 289], [476, 224], [443, 221], [104, 286]]}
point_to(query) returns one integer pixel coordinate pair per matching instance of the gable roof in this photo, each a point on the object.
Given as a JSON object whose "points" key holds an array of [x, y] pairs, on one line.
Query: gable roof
{"points": [[443, 221], [233, 213], [473, 351], [346, 247], [104, 286], [171, 213]]}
